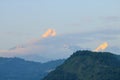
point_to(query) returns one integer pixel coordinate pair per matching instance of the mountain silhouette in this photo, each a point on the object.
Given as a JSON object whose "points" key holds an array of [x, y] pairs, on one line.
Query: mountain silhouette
{"points": [[20, 69]]}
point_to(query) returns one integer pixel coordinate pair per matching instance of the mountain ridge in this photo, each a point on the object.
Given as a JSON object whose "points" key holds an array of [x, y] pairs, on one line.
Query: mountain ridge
{"points": [[20, 69], [88, 65]]}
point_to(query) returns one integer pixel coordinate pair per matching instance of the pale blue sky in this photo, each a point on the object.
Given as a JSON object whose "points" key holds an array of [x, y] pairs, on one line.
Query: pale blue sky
{"points": [[22, 20]]}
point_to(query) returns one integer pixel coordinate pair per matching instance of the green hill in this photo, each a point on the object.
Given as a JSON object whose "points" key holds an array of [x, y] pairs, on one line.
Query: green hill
{"points": [[87, 65]]}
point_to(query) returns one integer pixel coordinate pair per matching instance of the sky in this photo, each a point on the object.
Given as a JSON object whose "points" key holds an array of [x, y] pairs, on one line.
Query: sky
{"points": [[79, 23]]}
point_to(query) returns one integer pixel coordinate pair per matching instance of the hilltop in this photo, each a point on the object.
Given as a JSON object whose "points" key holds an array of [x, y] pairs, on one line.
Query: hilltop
{"points": [[88, 65]]}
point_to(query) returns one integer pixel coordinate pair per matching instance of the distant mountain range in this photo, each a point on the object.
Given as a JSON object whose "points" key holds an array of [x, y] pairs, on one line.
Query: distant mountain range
{"points": [[20, 69], [87, 65]]}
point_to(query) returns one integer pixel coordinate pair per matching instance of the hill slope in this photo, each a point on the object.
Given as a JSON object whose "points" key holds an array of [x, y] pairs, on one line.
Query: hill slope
{"points": [[87, 65], [19, 69]]}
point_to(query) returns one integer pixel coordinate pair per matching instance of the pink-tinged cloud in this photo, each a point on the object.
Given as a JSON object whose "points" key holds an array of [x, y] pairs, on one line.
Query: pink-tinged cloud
{"points": [[48, 33], [12, 53], [61, 46], [42, 46]]}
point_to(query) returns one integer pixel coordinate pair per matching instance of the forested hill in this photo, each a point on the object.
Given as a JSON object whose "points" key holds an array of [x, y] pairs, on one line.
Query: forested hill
{"points": [[88, 65]]}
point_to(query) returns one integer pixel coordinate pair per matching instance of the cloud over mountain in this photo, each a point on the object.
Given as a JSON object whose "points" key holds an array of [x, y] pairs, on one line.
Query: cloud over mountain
{"points": [[50, 46]]}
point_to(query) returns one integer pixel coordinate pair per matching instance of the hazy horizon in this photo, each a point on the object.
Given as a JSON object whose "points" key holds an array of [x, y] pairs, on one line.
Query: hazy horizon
{"points": [[76, 25]]}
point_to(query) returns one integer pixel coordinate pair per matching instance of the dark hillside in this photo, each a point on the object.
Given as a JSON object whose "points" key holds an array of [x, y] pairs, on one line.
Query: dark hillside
{"points": [[87, 65]]}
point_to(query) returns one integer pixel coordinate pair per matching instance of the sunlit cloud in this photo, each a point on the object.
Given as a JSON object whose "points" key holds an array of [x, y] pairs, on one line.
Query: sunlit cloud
{"points": [[42, 46], [50, 46], [102, 47], [49, 32]]}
